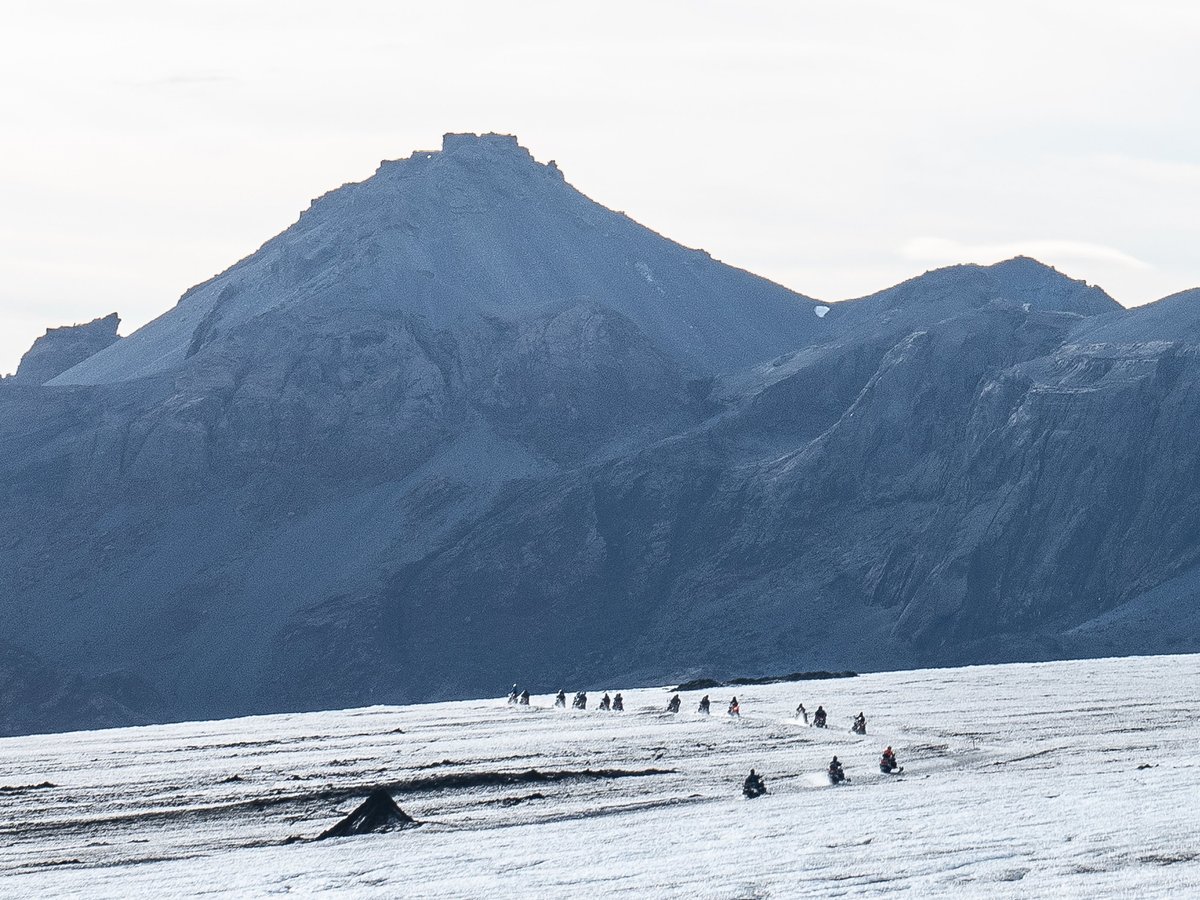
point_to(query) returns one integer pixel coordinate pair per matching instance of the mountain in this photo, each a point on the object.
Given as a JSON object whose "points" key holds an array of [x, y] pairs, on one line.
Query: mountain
{"points": [[461, 425], [60, 349], [477, 229]]}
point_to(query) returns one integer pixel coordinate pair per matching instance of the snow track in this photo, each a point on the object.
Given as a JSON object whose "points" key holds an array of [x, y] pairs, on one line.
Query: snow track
{"points": [[1054, 779]]}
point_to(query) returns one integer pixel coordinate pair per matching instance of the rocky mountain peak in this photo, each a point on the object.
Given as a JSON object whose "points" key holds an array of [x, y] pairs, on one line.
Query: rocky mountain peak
{"points": [[477, 229], [1020, 281], [61, 348], [469, 144]]}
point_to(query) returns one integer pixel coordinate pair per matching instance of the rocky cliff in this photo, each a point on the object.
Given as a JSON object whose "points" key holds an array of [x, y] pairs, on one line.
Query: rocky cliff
{"points": [[62, 348]]}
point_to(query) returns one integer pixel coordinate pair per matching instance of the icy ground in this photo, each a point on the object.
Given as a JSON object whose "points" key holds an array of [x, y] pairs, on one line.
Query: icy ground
{"points": [[1074, 779]]}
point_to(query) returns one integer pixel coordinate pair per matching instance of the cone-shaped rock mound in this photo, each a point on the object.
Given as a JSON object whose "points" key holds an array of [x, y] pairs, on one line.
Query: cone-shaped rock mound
{"points": [[378, 812]]}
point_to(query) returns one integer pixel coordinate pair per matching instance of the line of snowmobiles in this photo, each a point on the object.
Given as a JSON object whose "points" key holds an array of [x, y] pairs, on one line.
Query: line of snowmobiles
{"points": [[616, 703], [754, 785]]}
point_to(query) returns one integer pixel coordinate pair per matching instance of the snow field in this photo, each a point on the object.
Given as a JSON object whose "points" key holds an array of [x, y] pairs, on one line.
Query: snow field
{"points": [[1020, 780]]}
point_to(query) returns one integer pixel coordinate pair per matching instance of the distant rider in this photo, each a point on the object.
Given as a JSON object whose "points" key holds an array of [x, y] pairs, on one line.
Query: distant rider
{"points": [[618, 703], [819, 717], [801, 712], [887, 762], [524, 698], [734, 709], [836, 775], [606, 702], [703, 707], [860, 724], [514, 695], [673, 704], [561, 699], [754, 786]]}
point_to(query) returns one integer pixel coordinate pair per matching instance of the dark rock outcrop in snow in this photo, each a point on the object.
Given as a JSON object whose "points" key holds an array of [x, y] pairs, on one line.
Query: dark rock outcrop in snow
{"points": [[60, 349], [459, 421], [378, 813]]}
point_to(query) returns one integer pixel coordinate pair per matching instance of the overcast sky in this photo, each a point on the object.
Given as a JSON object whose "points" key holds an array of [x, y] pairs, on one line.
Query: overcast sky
{"points": [[835, 147]]}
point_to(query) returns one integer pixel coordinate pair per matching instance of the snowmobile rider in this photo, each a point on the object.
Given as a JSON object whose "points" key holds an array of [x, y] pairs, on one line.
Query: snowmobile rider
{"points": [[819, 717], [860, 724], [801, 712], [734, 709], [836, 775], [580, 700], [703, 707], [887, 762], [514, 695], [561, 699], [673, 704], [754, 786], [618, 703], [525, 697], [606, 702]]}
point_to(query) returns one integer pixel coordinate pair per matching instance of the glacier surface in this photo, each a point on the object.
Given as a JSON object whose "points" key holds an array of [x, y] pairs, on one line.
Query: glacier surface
{"points": [[1064, 779]]}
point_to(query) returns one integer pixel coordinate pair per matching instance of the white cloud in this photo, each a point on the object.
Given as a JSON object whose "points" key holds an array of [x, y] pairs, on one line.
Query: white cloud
{"points": [[945, 251]]}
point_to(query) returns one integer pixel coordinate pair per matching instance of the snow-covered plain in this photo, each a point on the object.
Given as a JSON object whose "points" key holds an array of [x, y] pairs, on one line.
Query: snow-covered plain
{"points": [[1057, 779]]}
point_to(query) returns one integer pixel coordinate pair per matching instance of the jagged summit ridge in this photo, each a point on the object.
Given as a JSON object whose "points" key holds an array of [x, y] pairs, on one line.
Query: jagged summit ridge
{"points": [[428, 178], [476, 229]]}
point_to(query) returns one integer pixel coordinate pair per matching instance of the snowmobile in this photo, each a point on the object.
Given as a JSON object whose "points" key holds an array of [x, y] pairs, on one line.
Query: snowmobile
{"points": [[801, 712], [524, 699], [580, 701], [561, 700], [754, 786], [888, 764], [703, 707], [618, 703], [819, 717], [673, 704], [514, 695], [860, 724], [734, 709], [605, 702], [836, 775]]}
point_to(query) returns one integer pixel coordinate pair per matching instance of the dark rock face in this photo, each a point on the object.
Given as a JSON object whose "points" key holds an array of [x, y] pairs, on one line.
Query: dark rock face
{"points": [[35, 698], [460, 424], [61, 348]]}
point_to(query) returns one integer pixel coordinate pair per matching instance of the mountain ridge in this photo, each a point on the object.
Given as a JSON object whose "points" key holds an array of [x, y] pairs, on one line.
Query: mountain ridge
{"points": [[476, 228], [460, 423]]}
